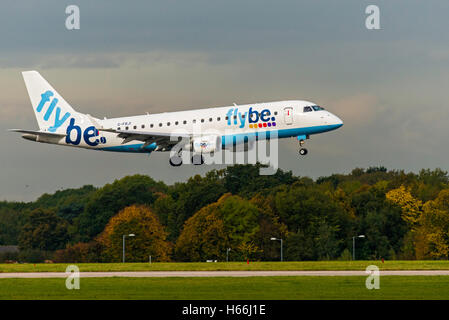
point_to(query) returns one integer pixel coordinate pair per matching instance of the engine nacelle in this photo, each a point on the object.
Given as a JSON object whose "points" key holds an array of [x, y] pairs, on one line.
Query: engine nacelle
{"points": [[206, 144]]}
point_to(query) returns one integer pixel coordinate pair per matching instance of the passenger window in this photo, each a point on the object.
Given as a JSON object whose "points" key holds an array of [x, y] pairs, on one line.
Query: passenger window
{"points": [[118, 128], [143, 126], [168, 123], [210, 119], [176, 123], [218, 119], [307, 109], [151, 125], [160, 124], [184, 122], [202, 120], [135, 127], [194, 120]]}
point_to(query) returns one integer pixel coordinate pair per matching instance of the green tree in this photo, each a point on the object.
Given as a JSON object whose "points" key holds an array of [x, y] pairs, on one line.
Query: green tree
{"points": [[316, 241], [184, 199], [380, 220], [269, 227], [230, 222], [246, 181], [429, 183], [44, 230], [10, 225]]}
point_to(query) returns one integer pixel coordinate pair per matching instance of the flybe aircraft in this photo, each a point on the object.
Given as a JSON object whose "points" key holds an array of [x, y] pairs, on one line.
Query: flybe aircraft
{"points": [[199, 131]]}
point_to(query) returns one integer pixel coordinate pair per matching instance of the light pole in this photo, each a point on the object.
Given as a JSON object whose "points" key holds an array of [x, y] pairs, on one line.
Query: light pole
{"points": [[227, 254], [353, 244], [276, 239], [124, 236]]}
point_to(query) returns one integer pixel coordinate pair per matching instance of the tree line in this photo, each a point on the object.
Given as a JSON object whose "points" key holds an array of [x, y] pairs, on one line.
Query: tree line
{"points": [[402, 216]]}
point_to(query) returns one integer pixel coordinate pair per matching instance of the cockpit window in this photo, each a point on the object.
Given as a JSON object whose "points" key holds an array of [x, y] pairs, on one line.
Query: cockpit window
{"points": [[307, 109], [317, 108]]}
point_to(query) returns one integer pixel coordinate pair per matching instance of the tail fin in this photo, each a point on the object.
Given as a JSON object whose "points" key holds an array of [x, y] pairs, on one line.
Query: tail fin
{"points": [[51, 110]]}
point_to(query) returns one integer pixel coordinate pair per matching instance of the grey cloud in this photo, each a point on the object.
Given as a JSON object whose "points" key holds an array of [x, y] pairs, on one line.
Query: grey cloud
{"points": [[200, 25], [66, 61], [387, 85]]}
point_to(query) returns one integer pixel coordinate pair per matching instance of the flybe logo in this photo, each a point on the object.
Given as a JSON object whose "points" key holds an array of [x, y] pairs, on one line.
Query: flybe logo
{"points": [[90, 134], [255, 119], [45, 97]]}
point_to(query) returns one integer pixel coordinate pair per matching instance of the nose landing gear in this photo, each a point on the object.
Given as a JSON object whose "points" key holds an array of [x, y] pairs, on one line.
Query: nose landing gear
{"points": [[302, 151]]}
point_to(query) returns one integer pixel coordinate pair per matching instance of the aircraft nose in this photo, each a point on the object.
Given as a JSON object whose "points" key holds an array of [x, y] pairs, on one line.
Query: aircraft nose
{"points": [[337, 121]]}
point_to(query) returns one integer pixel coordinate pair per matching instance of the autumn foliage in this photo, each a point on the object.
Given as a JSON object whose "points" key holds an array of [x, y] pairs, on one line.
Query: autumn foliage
{"points": [[231, 222], [402, 215], [150, 236], [429, 222]]}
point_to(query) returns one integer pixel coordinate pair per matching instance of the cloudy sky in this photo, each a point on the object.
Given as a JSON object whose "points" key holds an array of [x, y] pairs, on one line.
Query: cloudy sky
{"points": [[390, 86]]}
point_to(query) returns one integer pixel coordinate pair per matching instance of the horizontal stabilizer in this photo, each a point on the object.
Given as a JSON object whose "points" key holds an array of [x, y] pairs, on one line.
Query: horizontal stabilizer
{"points": [[39, 133]]}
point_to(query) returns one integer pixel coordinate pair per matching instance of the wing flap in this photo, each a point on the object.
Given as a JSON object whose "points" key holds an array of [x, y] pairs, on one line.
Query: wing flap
{"points": [[148, 137]]}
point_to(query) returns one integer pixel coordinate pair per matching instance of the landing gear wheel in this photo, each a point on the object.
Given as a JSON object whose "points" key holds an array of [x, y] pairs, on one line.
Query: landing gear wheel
{"points": [[175, 161], [303, 151], [197, 159]]}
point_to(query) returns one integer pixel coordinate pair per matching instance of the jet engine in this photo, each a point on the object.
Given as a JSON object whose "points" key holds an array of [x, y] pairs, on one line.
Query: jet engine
{"points": [[206, 144]]}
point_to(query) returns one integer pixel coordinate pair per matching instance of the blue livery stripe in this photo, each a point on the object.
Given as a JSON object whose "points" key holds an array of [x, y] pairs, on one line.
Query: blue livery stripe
{"points": [[232, 139]]}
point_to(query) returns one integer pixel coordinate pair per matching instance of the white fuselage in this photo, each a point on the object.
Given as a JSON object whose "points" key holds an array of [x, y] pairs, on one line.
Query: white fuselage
{"points": [[286, 118]]}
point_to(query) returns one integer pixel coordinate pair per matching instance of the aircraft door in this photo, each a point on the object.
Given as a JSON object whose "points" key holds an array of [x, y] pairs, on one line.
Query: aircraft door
{"points": [[288, 115]]}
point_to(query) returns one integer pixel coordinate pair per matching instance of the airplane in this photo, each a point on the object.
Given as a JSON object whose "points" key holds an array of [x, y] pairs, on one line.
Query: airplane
{"points": [[219, 127]]}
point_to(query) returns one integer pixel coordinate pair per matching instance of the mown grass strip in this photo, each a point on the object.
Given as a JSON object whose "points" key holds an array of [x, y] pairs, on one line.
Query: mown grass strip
{"points": [[231, 266], [277, 288]]}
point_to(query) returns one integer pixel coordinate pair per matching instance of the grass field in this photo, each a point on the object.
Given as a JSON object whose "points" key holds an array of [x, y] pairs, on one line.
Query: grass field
{"points": [[231, 266], [276, 288]]}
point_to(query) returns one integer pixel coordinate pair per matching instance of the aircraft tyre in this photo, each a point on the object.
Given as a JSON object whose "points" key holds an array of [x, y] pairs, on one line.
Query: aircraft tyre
{"points": [[197, 159], [175, 161]]}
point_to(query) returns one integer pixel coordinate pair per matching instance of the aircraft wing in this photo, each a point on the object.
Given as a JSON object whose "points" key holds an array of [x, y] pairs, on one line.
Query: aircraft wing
{"points": [[163, 140], [39, 133]]}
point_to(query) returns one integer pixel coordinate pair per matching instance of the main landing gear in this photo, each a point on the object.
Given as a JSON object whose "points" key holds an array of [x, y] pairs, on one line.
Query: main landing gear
{"points": [[197, 159], [176, 160]]}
